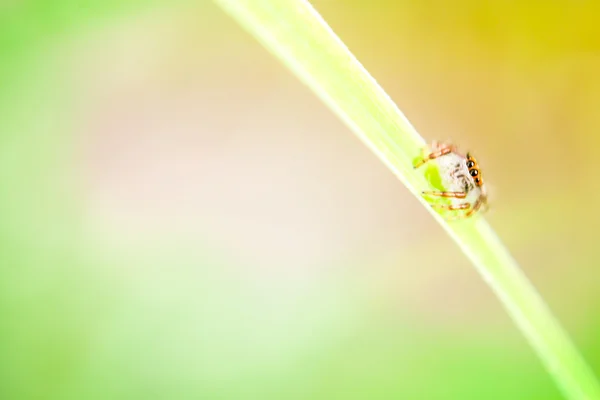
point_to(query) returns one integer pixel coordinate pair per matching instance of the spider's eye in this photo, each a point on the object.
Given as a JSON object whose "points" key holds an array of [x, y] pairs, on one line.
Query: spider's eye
{"points": [[474, 172], [477, 180], [470, 164]]}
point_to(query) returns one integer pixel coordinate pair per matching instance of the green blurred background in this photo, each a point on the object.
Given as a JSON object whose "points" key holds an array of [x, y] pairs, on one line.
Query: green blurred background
{"points": [[180, 218]]}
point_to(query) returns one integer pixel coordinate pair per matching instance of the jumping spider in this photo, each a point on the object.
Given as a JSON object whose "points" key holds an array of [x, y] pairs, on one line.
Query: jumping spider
{"points": [[461, 179]]}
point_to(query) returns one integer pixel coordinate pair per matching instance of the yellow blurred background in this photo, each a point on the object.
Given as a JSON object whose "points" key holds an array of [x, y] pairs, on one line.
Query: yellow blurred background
{"points": [[180, 218]]}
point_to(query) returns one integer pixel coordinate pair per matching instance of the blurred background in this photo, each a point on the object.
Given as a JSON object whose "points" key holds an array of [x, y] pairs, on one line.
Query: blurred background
{"points": [[180, 218]]}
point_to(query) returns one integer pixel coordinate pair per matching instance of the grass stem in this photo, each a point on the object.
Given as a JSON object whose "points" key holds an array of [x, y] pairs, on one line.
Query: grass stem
{"points": [[295, 33]]}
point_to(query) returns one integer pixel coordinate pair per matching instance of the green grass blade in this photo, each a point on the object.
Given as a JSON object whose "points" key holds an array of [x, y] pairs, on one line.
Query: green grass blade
{"points": [[296, 34]]}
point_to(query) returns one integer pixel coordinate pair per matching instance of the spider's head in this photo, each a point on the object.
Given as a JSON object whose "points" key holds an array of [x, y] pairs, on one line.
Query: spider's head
{"points": [[474, 171]]}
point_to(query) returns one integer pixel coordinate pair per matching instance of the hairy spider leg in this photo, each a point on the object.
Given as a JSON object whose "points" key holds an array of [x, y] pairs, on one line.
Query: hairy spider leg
{"points": [[455, 195], [468, 213], [452, 207], [445, 149], [474, 209]]}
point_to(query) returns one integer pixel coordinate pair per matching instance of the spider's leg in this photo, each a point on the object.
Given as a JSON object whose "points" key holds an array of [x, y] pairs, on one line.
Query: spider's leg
{"points": [[442, 150], [474, 209], [455, 195], [452, 207]]}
